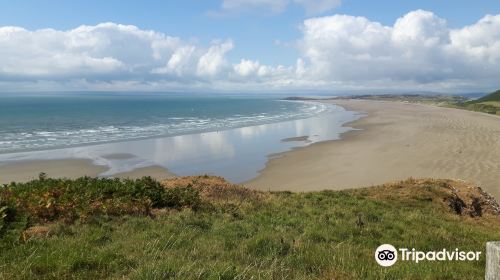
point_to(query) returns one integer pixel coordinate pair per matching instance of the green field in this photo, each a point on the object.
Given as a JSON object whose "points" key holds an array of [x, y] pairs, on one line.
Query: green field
{"points": [[205, 228]]}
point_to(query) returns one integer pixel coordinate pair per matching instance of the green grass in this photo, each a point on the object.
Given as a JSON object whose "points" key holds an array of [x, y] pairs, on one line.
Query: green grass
{"points": [[488, 104], [484, 107], [241, 234], [492, 103]]}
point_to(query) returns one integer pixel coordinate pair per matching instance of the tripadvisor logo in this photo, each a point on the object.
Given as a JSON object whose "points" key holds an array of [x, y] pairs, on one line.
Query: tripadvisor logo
{"points": [[387, 255]]}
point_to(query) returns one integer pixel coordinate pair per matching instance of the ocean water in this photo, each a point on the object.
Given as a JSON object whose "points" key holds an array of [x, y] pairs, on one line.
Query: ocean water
{"points": [[229, 136], [41, 121]]}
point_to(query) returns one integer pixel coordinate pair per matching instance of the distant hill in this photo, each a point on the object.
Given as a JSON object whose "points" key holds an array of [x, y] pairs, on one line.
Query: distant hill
{"points": [[487, 104], [494, 96]]}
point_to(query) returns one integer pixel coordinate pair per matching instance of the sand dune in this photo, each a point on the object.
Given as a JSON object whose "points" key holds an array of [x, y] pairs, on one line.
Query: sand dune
{"points": [[397, 141]]}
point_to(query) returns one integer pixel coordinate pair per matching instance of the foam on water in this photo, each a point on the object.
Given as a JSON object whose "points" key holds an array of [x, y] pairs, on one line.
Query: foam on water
{"points": [[186, 133], [55, 122], [236, 153]]}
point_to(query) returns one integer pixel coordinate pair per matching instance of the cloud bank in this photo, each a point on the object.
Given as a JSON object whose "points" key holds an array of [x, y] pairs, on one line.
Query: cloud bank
{"points": [[340, 52]]}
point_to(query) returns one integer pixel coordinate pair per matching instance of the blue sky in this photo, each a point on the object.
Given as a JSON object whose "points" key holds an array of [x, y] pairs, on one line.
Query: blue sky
{"points": [[258, 32]]}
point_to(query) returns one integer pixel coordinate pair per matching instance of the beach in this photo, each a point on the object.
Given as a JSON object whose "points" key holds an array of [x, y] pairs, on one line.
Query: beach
{"points": [[28, 170], [70, 168], [237, 154], [394, 141]]}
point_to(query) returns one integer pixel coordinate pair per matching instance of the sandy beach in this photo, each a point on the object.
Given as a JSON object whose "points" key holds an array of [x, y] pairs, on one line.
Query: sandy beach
{"points": [[23, 171], [28, 170], [236, 154], [395, 141], [154, 171]]}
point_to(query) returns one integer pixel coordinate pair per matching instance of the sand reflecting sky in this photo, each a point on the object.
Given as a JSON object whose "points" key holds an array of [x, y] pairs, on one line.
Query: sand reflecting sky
{"points": [[237, 154]]}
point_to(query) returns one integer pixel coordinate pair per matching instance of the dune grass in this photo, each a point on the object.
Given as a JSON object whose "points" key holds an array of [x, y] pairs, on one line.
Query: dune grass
{"points": [[222, 231]]}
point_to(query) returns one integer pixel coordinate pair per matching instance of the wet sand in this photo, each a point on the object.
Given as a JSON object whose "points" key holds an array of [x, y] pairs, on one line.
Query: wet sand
{"points": [[396, 141], [156, 172], [236, 154], [304, 138], [23, 171]]}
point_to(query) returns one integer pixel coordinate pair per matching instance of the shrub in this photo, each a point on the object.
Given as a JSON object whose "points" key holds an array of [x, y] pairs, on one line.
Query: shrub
{"points": [[150, 188], [178, 197], [7, 211], [47, 199]]}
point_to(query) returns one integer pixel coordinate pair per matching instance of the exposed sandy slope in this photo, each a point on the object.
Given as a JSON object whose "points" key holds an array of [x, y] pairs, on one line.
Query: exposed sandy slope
{"points": [[397, 141]]}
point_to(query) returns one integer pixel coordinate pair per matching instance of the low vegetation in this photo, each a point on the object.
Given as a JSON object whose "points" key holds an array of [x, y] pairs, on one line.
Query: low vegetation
{"points": [[203, 227], [488, 104], [441, 100], [494, 96]]}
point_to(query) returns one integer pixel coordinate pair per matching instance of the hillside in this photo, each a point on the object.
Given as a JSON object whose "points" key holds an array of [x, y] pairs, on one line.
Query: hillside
{"points": [[488, 104], [206, 228], [494, 96]]}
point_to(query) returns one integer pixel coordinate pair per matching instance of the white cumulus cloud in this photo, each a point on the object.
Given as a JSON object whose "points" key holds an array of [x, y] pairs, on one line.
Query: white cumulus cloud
{"points": [[109, 55], [213, 62], [101, 50], [248, 68], [338, 52], [419, 48]]}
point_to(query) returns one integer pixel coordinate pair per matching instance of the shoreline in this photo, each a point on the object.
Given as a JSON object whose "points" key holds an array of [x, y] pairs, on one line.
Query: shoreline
{"points": [[389, 141], [236, 154], [392, 142], [154, 137]]}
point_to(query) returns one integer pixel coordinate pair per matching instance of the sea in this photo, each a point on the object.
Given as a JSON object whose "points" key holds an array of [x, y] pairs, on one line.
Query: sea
{"points": [[231, 135]]}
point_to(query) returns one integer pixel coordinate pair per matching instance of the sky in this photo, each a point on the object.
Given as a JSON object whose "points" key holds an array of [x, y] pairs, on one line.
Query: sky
{"points": [[250, 45]]}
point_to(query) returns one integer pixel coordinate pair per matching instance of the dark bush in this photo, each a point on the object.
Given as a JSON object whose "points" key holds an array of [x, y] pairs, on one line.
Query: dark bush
{"points": [[456, 204], [178, 197], [477, 209], [149, 187]]}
